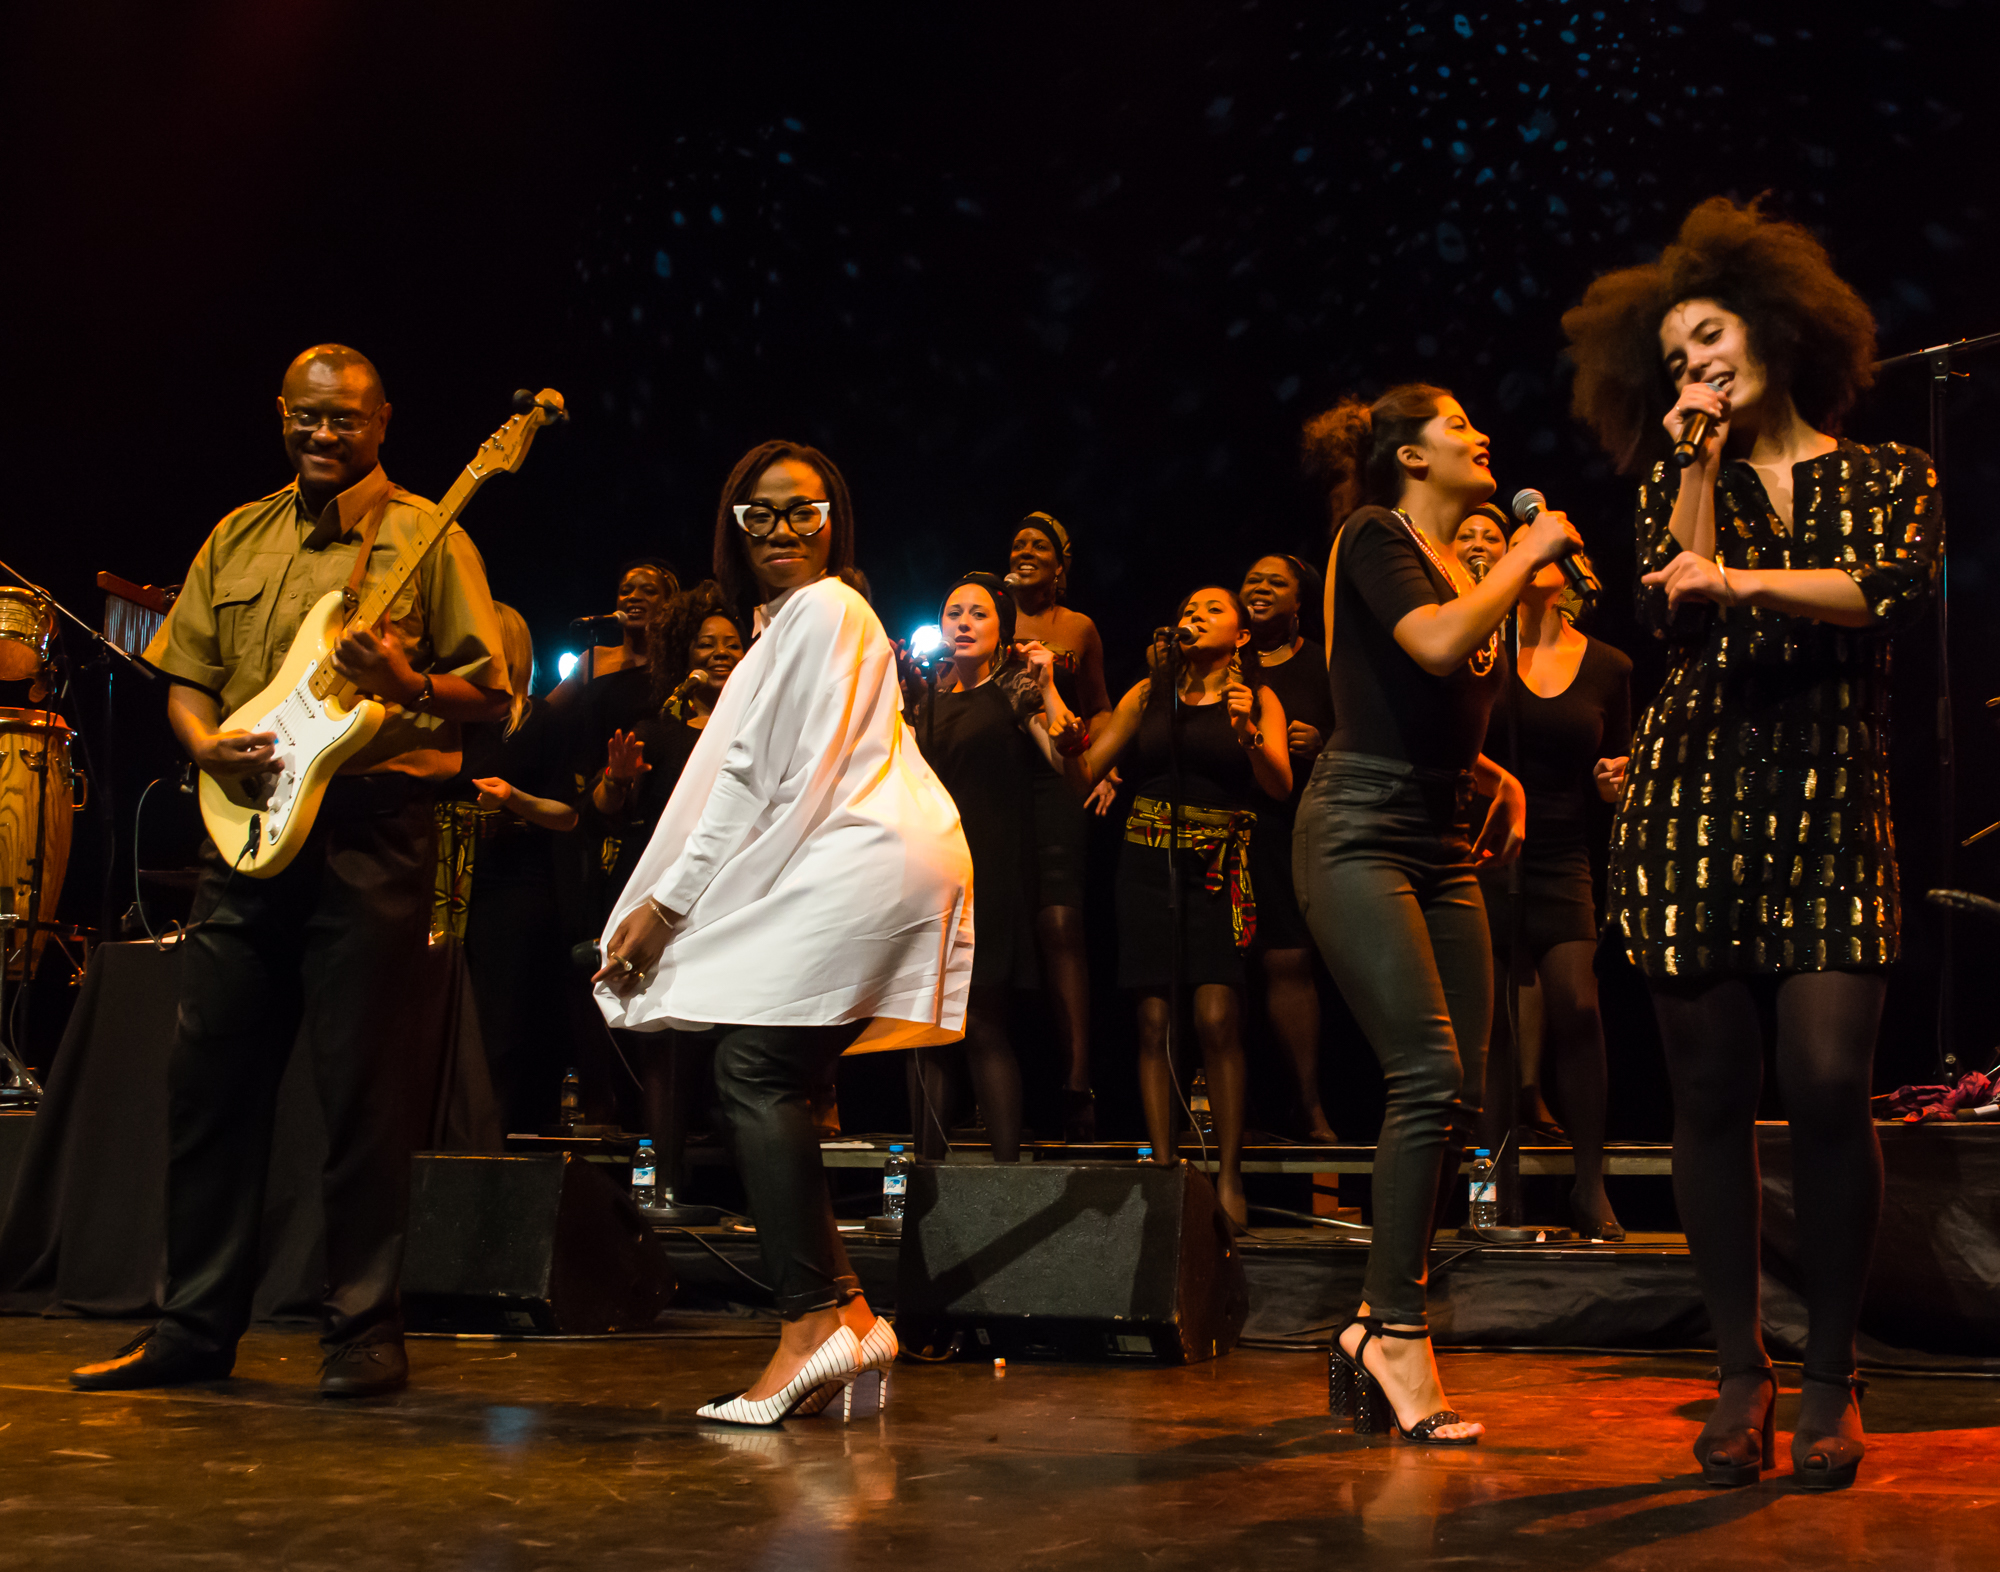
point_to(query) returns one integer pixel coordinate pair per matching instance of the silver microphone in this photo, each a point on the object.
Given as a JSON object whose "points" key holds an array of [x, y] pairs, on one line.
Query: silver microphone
{"points": [[1529, 504]]}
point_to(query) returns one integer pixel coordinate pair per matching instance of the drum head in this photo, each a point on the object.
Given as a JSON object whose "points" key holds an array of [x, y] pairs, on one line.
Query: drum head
{"points": [[26, 624]]}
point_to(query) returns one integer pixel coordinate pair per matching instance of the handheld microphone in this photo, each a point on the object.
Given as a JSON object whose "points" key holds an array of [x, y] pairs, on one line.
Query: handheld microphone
{"points": [[1012, 580], [1478, 565], [1694, 432], [1528, 505]]}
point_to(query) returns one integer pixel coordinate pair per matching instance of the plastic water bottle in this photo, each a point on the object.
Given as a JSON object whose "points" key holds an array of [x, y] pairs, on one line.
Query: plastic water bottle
{"points": [[1198, 1108], [572, 1087], [896, 1182], [1482, 1194], [645, 1175]]}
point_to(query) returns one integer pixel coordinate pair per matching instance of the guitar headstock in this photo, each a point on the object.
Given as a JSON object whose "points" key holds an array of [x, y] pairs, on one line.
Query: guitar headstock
{"points": [[508, 447]]}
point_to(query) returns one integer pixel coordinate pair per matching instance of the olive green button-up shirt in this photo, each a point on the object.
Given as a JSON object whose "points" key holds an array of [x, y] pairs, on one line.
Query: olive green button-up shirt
{"points": [[264, 567]]}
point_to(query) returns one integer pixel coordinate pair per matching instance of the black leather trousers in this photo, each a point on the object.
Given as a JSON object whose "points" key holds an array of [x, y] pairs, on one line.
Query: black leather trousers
{"points": [[764, 1076], [1385, 879]]}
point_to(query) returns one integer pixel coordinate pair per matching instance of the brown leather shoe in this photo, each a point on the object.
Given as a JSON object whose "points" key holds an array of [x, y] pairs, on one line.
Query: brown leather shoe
{"points": [[364, 1370], [143, 1363]]}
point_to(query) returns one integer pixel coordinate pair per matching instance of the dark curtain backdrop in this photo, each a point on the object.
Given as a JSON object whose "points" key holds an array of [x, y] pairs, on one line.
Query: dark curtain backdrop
{"points": [[1097, 259]]}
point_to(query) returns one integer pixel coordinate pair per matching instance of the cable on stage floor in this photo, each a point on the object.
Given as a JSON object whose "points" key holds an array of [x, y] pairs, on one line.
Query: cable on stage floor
{"points": [[676, 1228]]}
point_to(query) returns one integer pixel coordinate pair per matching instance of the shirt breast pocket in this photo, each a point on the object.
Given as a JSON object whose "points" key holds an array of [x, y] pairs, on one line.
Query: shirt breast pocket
{"points": [[244, 595], [406, 622]]}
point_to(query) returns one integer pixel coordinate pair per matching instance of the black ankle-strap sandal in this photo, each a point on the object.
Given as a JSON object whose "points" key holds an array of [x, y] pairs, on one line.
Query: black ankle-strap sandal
{"points": [[1735, 1455], [1827, 1460], [1353, 1393]]}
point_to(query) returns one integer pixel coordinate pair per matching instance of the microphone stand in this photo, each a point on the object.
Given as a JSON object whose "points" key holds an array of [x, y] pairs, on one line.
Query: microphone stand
{"points": [[1507, 1156], [1937, 361], [1176, 914]]}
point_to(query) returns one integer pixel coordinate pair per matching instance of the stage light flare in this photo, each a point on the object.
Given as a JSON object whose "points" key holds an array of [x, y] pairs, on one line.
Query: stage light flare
{"points": [[565, 663], [925, 639]]}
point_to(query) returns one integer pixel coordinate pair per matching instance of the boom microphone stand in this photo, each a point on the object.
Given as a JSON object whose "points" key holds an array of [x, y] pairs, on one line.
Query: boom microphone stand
{"points": [[1176, 909], [1937, 361]]}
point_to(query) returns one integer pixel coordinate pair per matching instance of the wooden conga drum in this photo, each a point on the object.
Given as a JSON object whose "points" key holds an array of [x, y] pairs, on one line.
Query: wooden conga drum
{"points": [[29, 741], [26, 626]]}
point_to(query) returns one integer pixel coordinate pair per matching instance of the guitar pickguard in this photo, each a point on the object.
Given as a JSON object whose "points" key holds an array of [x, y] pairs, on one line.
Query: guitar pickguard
{"points": [[305, 729]]}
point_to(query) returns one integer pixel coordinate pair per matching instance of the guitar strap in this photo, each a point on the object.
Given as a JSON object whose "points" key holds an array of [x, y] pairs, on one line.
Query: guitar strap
{"points": [[370, 528]]}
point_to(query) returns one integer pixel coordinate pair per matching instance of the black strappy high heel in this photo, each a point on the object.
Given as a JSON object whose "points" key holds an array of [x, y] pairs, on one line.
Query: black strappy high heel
{"points": [[1734, 1454], [1352, 1393], [1822, 1457]]}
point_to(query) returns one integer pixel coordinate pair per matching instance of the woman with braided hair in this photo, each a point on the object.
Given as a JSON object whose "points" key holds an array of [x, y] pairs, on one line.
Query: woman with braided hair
{"points": [[1753, 861]]}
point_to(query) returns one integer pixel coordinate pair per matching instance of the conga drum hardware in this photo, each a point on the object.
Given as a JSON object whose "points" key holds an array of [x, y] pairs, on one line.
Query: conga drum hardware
{"points": [[27, 624], [39, 795]]}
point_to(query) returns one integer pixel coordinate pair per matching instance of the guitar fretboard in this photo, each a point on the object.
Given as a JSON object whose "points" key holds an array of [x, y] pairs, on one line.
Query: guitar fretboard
{"points": [[382, 594]]}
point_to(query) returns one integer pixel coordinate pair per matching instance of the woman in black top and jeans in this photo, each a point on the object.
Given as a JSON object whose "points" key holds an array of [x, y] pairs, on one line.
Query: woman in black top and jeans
{"points": [[1380, 858], [1229, 742]]}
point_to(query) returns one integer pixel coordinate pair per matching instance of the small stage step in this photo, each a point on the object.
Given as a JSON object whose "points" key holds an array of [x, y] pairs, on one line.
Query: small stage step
{"points": [[1639, 1294], [873, 1152]]}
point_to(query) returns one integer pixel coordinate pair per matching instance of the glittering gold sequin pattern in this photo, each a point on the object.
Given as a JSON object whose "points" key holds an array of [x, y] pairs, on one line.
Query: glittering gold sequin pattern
{"points": [[1755, 832]]}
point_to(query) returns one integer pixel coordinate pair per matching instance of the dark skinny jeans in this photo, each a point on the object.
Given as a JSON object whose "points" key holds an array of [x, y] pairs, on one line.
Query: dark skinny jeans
{"points": [[765, 1076], [1384, 876]]}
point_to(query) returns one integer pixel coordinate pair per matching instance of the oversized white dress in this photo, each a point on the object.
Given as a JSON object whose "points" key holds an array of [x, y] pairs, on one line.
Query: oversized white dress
{"points": [[817, 860]]}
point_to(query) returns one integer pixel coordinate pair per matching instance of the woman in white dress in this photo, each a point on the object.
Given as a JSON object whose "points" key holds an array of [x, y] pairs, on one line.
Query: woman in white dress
{"points": [[807, 892]]}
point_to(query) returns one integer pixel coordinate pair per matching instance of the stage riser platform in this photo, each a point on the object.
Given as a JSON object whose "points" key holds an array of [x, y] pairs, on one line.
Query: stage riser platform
{"points": [[1544, 1298], [1621, 1297]]}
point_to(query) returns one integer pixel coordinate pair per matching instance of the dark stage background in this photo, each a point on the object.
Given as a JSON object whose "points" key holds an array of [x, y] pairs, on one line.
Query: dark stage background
{"points": [[1097, 259]]}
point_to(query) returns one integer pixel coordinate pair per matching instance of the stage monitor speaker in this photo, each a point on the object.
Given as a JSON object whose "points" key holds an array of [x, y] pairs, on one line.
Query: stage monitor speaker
{"points": [[542, 1244], [1078, 1261]]}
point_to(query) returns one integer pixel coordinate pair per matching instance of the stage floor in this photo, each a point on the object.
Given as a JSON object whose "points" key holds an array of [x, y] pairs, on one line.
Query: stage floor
{"points": [[526, 1455]]}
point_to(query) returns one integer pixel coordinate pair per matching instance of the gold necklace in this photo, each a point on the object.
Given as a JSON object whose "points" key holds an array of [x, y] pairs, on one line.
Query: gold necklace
{"points": [[1481, 660]]}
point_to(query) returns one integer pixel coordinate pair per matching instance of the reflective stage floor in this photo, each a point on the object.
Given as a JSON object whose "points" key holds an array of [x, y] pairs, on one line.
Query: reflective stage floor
{"points": [[576, 1454]]}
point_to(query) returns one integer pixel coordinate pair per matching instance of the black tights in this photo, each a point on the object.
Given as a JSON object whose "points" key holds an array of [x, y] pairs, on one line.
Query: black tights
{"points": [[1572, 1063], [996, 1080], [1714, 1039]]}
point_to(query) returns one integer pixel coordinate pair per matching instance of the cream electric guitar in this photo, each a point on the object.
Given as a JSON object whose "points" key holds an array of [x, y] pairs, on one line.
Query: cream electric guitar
{"points": [[258, 822]]}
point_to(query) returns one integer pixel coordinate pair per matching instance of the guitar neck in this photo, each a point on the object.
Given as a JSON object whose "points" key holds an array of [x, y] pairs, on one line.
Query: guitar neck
{"points": [[503, 451], [382, 595]]}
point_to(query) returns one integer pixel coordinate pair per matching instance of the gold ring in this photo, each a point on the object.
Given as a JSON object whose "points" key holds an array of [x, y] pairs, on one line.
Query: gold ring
{"points": [[625, 967]]}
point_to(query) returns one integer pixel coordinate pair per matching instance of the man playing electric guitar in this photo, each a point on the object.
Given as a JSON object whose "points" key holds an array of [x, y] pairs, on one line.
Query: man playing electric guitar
{"points": [[336, 937]]}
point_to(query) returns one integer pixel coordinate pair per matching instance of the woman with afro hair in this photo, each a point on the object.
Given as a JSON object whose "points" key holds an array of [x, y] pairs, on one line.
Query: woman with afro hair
{"points": [[1753, 868]]}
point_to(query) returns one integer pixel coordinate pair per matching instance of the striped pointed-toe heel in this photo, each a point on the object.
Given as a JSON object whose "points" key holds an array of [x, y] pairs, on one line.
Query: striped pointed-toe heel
{"points": [[833, 1364]]}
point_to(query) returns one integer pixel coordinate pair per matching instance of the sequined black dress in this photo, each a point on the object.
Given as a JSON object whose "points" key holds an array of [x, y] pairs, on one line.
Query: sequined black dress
{"points": [[1754, 836]]}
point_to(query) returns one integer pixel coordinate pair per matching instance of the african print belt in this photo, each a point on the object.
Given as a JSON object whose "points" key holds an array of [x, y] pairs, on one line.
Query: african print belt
{"points": [[1220, 837]]}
